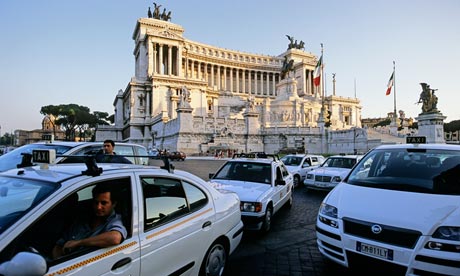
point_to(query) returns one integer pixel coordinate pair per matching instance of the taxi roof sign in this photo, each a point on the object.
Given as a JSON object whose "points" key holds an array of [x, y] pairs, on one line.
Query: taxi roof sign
{"points": [[44, 156], [415, 140]]}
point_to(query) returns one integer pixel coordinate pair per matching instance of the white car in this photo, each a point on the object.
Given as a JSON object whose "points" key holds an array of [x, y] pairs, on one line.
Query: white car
{"points": [[264, 185], [399, 209], [331, 172], [177, 224], [137, 154], [299, 164]]}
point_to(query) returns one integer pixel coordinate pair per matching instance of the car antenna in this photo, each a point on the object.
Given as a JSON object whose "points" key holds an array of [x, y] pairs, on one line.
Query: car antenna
{"points": [[167, 164], [91, 167]]}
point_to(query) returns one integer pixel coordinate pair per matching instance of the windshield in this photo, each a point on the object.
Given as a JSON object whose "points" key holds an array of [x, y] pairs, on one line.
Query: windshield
{"points": [[415, 170], [339, 162], [18, 195], [246, 171], [291, 160], [11, 159]]}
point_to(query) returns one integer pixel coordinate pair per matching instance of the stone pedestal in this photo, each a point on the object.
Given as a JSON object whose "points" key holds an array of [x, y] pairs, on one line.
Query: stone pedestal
{"points": [[185, 119], [431, 125]]}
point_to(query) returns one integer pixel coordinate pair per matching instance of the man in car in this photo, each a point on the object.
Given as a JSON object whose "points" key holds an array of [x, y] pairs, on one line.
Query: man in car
{"points": [[107, 155], [102, 228]]}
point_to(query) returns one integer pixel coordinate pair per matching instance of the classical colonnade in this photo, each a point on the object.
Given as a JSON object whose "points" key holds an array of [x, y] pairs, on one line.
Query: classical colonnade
{"points": [[223, 75]]}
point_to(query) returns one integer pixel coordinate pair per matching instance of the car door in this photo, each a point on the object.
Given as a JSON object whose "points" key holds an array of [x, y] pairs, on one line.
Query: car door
{"points": [[283, 191], [47, 224], [305, 167], [177, 225]]}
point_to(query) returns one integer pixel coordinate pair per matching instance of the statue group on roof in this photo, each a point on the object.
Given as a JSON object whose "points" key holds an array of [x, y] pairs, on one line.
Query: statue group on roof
{"points": [[293, 43], [157, 15]]}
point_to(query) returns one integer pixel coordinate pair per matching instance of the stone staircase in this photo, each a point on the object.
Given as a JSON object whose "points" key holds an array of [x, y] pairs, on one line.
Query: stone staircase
{"points": [[386, 138]]}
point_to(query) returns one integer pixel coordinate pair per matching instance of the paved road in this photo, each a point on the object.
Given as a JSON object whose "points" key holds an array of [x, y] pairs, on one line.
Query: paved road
{"points": [[290, 246]]}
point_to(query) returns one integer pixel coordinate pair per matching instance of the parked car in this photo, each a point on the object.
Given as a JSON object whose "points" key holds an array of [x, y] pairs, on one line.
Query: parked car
{"points": [[331, 172], [398, 209], [137, 154], [177, 155], [300, 164], [263, 185], [176, 222], [154, 153]]}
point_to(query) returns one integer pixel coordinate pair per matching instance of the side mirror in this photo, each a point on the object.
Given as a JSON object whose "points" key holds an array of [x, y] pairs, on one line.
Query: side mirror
{"points": [[211, 175], [24, 263], [280, 182]]}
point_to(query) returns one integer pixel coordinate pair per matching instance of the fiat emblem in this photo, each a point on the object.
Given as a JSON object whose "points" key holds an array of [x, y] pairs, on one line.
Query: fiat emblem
{"points": [[376, 229]]}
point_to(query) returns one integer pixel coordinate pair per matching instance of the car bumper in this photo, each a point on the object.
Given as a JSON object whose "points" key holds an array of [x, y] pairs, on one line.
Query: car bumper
{"points": [[252, 222], [347, 250], [319, 185]]}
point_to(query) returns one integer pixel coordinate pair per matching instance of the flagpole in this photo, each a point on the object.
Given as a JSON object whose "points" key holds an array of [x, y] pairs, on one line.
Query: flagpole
{"points": [[394, 90], [322, 72]]}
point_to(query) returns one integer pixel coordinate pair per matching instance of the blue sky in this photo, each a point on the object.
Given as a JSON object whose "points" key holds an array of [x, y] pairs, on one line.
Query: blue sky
{"points": [[61, 52]]}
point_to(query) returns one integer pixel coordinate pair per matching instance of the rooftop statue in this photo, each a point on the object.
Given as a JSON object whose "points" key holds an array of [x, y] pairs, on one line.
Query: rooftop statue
{"points": [[166, 16], [428, 99], [293, 43], [156, 11]]}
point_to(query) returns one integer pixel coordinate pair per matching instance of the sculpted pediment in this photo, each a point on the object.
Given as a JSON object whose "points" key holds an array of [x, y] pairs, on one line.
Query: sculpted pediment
{"points": [[168, 34]]}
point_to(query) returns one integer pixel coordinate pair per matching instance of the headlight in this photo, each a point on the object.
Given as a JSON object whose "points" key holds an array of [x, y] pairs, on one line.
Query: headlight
{"points": [[309, 176], [336, 179], [447, 233], [328, 210], [251, 207]]}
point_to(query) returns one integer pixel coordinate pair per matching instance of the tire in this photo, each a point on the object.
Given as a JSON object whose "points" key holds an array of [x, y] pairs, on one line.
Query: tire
{"points": [[215, 260], [267, 224], [297, 182]]}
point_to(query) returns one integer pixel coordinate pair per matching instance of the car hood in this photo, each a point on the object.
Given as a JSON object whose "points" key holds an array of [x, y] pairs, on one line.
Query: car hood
{"points": [[247, 191], [418, 211], [330, 171]]}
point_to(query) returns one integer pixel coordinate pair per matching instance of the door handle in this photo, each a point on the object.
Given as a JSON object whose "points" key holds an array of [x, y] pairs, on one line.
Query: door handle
{"points": [[121, 263], [206, 224]]}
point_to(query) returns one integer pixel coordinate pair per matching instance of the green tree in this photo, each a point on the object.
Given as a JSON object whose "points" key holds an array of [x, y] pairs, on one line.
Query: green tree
{"points": [[452, 126], [73, 118]]}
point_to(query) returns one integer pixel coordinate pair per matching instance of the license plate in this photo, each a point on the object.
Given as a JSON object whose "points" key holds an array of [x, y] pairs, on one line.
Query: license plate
{"points": [[375, 251]]}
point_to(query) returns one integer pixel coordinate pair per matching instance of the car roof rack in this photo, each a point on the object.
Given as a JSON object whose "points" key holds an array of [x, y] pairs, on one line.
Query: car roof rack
{"points": [[275, 157], [92, 168]]}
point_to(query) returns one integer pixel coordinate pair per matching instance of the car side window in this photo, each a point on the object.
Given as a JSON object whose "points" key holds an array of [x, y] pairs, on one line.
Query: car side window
{"points": [[164, 200], [284, 171], [125, 150], [196, 197]]}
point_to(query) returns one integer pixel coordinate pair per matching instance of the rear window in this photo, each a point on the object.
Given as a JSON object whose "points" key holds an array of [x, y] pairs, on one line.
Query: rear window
{"points": [[415, 170]]}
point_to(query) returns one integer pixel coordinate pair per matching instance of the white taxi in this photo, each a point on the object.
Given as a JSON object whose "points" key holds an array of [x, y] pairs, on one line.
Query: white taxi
{"points": [[331, 172], [176, 223], [262, 183], [399, 210]]}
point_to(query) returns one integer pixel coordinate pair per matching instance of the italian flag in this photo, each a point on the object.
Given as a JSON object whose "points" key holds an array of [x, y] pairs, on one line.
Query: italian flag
{"points": [[317, 72], [390, 83]]}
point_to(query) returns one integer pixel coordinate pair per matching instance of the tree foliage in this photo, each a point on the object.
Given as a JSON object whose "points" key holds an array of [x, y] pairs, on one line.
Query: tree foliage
{"points": [[452, 126], [75, 120]]}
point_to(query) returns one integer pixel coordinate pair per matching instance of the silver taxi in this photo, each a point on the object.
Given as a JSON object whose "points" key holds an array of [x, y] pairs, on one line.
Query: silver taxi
{"points": [[263, 184], [176, 223]]}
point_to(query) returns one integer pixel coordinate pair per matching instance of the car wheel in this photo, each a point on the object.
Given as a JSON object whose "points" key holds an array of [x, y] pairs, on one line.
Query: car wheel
{"points": [[297, 182], [267, 224], [215, 260]]}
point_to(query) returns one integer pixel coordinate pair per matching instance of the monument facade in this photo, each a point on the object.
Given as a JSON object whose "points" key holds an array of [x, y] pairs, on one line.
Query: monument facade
{"points": [[194, 97]]}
